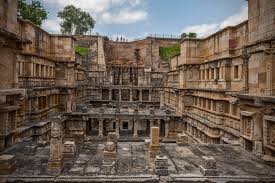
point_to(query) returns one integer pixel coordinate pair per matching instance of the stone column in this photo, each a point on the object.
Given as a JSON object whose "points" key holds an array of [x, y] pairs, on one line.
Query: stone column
{"points": [[4, 130], [245, 70], [120, 76], [140, 95], [159, 122], [131, 95], [197, 133], [100, 128], [110, 94], [117, 127], [150, 97], [154, 146], [167, 127], [151, 125], [119, 93], [135, 126], [56, 144]]}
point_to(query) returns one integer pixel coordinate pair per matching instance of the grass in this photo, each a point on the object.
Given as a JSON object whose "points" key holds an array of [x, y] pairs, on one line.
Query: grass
{"points": [[81, 50], [168, 52]]}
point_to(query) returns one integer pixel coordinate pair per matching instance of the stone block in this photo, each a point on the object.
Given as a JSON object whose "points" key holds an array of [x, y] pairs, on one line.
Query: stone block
{"points": [[182, 139], [154, 146], [7, 164], [30, 150], [208, 172], [108, 167], [209, 162], [154, 136], [161, 166], [147, 142], [109, 155], [55, 166], [112, 137], [162, 172], [69, 149]]}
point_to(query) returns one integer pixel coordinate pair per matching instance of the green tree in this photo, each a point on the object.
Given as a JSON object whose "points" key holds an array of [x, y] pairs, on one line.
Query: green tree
{"points": [[75, 21], [192, 35], [33, 12], [184, 35]]}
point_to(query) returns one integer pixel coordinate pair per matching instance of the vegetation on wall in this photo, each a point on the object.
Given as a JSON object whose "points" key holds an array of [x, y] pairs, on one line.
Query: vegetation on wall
{"points": [[83, 51], [190, 35], [33, 12], [166, 53]]}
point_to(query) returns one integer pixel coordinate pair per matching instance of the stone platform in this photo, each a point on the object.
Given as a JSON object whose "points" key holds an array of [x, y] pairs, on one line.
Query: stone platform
{"points": [[134, 165]]}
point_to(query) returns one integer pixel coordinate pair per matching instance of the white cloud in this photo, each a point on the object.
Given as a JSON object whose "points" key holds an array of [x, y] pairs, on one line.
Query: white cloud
{"points": [[235, 19], [205, 30], [52, 25], [96, 6], [202, 30], [108, 11], [124, 17]]}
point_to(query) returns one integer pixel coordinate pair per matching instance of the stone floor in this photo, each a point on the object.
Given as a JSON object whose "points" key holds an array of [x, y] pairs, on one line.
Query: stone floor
{"points": [[133, 160]]}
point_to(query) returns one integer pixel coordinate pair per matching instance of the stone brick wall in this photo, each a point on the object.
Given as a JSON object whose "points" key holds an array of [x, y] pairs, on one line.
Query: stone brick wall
{"points": [[8, 16]]}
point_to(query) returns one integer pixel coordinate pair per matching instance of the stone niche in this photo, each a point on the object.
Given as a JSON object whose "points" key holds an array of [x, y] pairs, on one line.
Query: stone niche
{"points": [[251, 128], [269, 136], [251, 132]]}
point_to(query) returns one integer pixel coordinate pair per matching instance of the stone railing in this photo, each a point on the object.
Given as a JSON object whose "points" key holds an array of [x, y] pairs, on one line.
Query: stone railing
{"points": [[28, 82]]}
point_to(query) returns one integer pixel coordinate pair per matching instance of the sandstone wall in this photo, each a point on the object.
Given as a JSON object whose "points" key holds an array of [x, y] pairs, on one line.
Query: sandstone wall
{"points": [[8, 16], [120, 53], [261, 20]]}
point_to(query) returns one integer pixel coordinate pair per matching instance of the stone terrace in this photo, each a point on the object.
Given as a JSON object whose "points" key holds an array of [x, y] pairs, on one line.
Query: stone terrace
{"points": [[133, 161]]}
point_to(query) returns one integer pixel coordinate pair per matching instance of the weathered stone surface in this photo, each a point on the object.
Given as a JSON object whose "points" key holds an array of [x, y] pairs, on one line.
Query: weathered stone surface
{"points": [[209, 167], [218, 90], [69, 149], [154, 146], [182, 139], [161, 166], [7, 164]]}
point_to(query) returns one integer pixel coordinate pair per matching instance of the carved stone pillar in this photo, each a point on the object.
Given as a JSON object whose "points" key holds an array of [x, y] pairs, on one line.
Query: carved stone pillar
{"points": [[150, 97], [100, 128], [120, 76], [158, 123], [119, 93], [110, 94], [154, 146], [245, 70], [167, 121], [131, 95], [135, 126], [151, 125], [140, 95], [56, 144], [117, 127]]}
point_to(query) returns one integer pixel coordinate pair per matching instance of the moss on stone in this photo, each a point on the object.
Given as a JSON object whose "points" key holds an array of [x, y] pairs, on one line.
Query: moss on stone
{"points": [[81, 50], [166, 53]]}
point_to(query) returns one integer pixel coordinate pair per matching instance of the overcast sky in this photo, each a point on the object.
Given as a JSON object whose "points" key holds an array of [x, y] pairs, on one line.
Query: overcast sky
{"points": [[139, 18]]}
